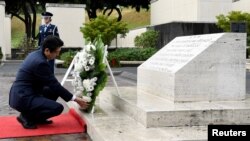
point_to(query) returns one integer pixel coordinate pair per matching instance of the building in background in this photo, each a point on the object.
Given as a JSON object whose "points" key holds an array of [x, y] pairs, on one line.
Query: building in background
{"points": [[69, 18], [5, 32], [173, 18], [166, 11]]}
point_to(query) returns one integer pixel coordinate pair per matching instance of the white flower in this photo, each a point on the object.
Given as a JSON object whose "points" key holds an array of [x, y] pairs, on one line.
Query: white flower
{"points": [[89, 84], [74, 83], [86, 83], [81, 88], [78, 93], [92, 60], [90, 88], [89, 55], [89, 47], [89, 94], [86, 98], [86, 68], [79, 83], [80, 61], [93, 47], [84, 63], [75, 74], [78, 67], [82, 54]]}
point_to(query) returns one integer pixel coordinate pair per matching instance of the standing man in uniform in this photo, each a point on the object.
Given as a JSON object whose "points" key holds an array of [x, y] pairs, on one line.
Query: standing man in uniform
{"points": [[36, 89], [45, 30]]}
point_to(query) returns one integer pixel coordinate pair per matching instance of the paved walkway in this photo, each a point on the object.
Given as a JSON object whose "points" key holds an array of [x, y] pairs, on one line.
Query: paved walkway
{"points": [[124, 77]]}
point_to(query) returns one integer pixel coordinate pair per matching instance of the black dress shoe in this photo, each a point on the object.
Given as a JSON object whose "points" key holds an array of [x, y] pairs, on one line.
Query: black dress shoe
{"points": [[25, 123], [46, 121]]}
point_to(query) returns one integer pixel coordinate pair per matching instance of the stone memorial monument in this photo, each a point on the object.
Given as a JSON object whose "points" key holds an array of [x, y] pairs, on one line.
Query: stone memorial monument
{"points": [[191, 82], [197, 68]]}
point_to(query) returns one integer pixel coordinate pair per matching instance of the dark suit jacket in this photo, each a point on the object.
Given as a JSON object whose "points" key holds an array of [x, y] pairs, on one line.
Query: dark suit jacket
{"points": [[51, 30], [33, 75]]}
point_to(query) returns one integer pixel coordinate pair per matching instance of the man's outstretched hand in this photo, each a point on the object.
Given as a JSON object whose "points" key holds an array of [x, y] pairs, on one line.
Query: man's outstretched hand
{"points": [[82, 103]]}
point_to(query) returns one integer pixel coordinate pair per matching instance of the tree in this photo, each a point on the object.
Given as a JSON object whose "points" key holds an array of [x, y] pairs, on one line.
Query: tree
{"points": [[147, 39], [107, 28], [18, 8], [26, 10], [111, 5], [92, 6], [224, 21]]}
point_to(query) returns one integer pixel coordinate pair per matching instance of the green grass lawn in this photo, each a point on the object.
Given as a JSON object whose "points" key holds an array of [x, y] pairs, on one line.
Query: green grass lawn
{"points": [[136, 19], [130, 16], [18, 30]]}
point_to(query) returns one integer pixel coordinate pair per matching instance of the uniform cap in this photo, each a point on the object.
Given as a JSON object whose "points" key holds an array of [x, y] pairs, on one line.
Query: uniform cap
{"points": [[47, 14]]}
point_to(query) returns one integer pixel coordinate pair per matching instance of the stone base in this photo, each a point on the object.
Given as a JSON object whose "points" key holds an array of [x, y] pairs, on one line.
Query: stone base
{"points": [[128, 116], [154, 111], [111, 124]]}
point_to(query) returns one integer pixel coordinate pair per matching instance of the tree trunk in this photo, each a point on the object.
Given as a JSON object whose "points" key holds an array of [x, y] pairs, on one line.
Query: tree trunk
{"points": [[30, 26], [18, 16], [119, 14], [27, 19], [111, 10], [33, 28]]}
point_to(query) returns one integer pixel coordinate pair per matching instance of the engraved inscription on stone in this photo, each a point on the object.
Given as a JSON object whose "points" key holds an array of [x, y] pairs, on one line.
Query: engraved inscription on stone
{"points": [[179, 52], [197, 68]]}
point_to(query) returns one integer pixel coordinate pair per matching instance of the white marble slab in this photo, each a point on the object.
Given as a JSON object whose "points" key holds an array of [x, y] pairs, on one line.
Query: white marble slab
{"points": [[111, 124], [197, 68], [154, 111]]}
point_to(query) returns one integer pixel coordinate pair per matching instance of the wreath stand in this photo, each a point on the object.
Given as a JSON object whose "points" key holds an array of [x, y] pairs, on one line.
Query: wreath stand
{"points": [[65, 78]]}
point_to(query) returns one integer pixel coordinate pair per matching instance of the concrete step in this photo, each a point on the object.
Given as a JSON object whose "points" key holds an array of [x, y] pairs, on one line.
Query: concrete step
{"points": [[111, 124], [12, 61], [153, 111], [129, 75]]}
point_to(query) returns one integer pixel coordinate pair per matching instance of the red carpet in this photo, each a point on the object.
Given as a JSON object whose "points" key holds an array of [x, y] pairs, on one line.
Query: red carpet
{"points": [[65, 123]]}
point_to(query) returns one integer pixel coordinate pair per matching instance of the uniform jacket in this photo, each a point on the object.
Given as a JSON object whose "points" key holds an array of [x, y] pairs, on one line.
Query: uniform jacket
{"points": [[44, 32], [34, 74]]}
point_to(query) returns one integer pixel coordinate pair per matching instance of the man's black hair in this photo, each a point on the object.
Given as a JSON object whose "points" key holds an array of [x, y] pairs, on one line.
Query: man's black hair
{"points": [[52, 43]]}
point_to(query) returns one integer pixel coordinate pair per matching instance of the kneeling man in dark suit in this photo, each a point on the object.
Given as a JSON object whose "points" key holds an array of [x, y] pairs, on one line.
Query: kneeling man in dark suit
{"points": [[35, 90]]}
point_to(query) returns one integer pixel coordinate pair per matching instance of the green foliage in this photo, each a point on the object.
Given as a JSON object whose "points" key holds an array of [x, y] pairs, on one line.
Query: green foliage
{"points": [[27, 45], [234, 16], [67, 57], [100, 84], [130, 54], [99, 71], [147, 39], [107, 28]]}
